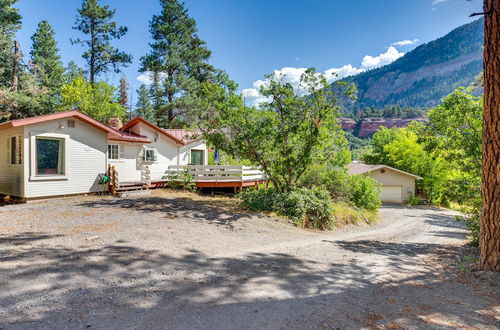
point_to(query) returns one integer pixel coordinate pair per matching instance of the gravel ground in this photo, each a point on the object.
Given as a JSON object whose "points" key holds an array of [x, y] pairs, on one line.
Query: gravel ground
{"points": [[177, 261]]}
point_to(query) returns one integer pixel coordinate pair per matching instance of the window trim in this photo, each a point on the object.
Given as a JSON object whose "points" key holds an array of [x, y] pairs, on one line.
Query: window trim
{"points": [[202, 155], [121, 153], [53, 177], [155, 158], [19, 144]]}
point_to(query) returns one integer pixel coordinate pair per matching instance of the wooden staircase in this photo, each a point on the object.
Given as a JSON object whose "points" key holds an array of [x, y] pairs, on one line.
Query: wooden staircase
{"points": [[125, 189]]}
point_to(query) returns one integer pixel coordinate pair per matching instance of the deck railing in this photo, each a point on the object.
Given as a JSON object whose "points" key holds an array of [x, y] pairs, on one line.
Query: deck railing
{"points": [[219, 173]]}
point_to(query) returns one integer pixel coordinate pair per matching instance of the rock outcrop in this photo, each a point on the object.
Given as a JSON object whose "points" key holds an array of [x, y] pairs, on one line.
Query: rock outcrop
{"points": [[348, 124], [369, 126]]}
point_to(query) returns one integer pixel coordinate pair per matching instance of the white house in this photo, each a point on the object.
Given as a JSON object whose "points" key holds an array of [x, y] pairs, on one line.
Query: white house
{"points": [[164, 147], [396, 185], [65, 153]]}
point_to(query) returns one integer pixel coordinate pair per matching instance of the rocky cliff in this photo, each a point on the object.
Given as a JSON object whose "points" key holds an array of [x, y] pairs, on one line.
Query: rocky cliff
{"points": [[368, 126]]}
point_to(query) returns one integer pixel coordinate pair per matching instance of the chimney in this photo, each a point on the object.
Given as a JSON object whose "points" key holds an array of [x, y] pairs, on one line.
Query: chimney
{"points": [[115, 123]]}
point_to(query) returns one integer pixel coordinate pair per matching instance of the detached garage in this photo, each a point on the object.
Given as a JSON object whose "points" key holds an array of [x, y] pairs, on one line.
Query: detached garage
{"points": [[396, 185]]}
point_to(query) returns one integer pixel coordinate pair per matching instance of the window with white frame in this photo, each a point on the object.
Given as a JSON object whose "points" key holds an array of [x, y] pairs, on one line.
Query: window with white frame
{"points": [[49, 156], [149, 155], [14, 150], [113, 151]]}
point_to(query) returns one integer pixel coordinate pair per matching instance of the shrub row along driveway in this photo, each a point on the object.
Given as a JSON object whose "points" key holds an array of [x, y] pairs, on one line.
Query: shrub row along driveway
{"points": [[182, 262]]}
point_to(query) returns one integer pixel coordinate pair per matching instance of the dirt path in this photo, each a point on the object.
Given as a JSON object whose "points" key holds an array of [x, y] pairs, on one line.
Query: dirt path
{"points": [[175, 263]]}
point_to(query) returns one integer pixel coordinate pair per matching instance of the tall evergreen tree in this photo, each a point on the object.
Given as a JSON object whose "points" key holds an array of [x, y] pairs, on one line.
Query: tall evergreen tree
{"points": [[95, 21], [123, 93], [73, 71], [10, 22], [45, 57], [144, 107], [180, 56]]}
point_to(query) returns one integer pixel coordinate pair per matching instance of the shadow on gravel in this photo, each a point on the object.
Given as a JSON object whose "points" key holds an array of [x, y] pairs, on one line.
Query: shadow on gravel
{"points": [[178, 207], [118, 286]]}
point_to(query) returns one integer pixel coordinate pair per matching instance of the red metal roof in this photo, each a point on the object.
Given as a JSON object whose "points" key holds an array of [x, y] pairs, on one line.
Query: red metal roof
{"points": [[178, 136], [186, 136], [113, 134]]}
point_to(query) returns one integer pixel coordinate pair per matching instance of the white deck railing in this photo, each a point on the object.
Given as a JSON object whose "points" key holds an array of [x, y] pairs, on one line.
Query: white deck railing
{"points": [[217, 173]]}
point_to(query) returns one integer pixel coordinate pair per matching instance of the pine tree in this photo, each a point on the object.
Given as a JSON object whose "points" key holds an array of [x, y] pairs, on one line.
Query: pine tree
{"points": [[95, 21], [73, 71], [123, 93], [490, 219], [179, 54], [144, 107], [45, 57], [10, 22]]}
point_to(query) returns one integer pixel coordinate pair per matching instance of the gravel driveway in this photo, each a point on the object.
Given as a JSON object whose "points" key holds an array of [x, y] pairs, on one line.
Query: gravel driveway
{"points": [[165, 262]]}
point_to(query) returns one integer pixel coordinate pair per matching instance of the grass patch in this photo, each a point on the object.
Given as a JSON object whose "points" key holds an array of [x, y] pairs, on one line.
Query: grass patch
{"points": [[347, 215]]}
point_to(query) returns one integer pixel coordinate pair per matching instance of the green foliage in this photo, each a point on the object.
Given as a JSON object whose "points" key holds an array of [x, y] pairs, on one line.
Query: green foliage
{"points": [[472, 218], [178, 51], [357, 190], [181, 180], [365, 192], [27, 101], [144, 107], [383, 137], [286, 136], [95, 21], [45, 57], [123, 93], [73, 71], [98, 101], [308, 208], [414, 200], [10, 22]]}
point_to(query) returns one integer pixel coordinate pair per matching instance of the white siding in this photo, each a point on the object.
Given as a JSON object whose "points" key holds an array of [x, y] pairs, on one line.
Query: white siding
{"points": [[86, 159], [394, 178], [168, 153], [11, 176], [128, 168]]}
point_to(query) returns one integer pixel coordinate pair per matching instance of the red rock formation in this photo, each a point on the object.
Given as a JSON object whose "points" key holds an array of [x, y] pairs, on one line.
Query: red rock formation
{"points": [[347, 124], [371, 125]]}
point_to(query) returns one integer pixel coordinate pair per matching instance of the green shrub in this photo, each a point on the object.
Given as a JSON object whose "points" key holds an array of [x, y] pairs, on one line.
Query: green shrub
{"points": [[365, 192], [181, 180], [311, 208], [414, 200], [359, 190], [471, 218], [260, 200]]}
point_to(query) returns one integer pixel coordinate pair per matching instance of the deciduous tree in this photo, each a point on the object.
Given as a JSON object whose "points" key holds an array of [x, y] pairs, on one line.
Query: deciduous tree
{"points": [[286, 135]]}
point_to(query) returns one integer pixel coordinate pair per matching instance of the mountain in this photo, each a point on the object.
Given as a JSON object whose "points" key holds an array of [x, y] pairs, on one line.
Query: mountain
{"points": [[426, 74]]}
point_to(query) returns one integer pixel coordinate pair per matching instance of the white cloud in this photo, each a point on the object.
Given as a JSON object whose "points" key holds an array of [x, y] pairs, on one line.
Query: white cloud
{"points": [[342, 72], [292, 75], [371, 62], [405, 42], [147, 77], [438, 1]]}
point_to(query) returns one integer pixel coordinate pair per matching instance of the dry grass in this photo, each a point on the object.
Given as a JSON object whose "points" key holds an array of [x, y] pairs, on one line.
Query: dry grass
{"points": [[228, 204], [346, 215]]}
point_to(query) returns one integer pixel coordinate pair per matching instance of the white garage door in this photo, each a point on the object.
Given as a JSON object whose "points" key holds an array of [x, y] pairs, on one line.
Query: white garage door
{"points": [[392, 194]]}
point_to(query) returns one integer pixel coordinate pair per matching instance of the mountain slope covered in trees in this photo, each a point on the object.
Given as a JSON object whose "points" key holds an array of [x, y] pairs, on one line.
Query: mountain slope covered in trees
{"points": [[426, 74]]}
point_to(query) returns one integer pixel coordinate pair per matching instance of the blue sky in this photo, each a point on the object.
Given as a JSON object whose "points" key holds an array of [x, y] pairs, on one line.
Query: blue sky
{"points": [[252, 38]]}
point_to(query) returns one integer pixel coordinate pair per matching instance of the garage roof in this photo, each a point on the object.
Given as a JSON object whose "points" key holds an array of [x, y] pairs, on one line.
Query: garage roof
{"points": [[362, 168]]}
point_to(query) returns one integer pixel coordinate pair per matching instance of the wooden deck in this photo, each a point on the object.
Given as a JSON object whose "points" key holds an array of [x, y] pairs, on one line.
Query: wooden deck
{"points": [[205, 176], [222, 176]]}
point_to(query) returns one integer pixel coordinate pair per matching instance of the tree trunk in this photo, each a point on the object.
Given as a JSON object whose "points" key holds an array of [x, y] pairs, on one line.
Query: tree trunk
{"points": [[15, 66], [92, 53], [490, 219]]}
